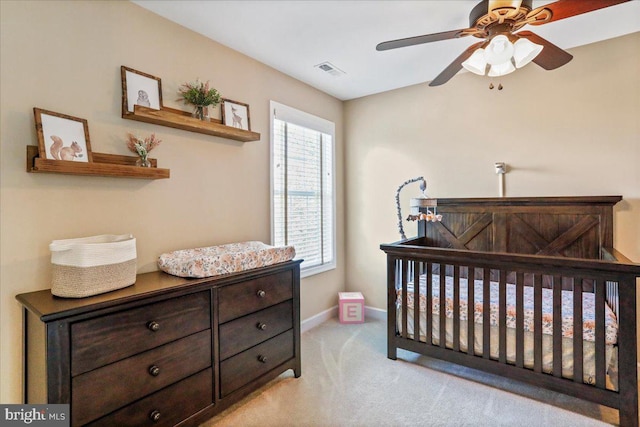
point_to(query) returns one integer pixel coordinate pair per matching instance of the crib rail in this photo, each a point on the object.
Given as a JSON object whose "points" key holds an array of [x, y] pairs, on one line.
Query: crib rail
{"points": [[611, 284]]}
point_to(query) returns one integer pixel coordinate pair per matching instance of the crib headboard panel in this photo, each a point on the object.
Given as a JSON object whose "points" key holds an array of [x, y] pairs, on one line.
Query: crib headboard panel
{"points": [[577, 227]]}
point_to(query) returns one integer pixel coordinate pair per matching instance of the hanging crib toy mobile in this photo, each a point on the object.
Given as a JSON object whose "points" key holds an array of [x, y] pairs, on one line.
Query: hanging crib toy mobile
{"points": [[425, 201]]}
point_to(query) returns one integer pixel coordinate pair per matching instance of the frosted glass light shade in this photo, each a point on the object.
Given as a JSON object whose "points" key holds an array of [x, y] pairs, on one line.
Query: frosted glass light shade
{"points": [[501, 69], [476, 63], [499, 50], [524, 51]]}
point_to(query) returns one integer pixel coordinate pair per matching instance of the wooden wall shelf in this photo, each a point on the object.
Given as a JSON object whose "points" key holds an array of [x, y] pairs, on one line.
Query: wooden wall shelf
{"points": [[182, 120], [114, 165]]}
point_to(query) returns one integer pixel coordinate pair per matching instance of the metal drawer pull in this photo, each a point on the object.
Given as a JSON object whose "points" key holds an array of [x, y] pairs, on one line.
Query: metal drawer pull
{"points": [[155, 416], [153, 326], [261, 293], [262, 326], [262, 359], [154, 370]]}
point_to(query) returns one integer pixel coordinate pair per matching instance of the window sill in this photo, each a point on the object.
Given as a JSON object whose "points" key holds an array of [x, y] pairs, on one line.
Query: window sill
{"points": [[312, 271]]}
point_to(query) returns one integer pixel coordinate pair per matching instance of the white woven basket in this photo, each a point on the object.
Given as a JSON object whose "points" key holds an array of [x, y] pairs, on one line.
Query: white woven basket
{"points": [[92, 265]]}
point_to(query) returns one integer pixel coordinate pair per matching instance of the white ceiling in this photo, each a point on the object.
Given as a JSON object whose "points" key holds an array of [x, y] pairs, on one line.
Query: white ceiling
{"points": [[294, 36]]}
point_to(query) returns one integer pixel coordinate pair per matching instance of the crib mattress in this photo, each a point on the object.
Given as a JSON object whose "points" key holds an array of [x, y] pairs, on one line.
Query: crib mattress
{"points": [[223, 259], [588, 307], [611, 359]]}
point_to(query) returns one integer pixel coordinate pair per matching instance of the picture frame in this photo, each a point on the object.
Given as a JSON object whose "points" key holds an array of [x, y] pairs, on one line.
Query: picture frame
{"points": [[139, 88], [235, 114], [62, 137]]}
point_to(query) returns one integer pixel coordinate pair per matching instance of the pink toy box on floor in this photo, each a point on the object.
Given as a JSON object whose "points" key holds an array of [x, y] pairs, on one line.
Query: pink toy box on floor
{"points": [[351, 307]]}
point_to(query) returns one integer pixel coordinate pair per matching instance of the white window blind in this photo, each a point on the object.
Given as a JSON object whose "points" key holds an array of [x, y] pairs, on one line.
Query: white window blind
{"points": [[303, 187]]}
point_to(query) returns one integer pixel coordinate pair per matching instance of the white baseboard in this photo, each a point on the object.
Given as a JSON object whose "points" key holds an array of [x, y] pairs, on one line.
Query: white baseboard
{"points": [[375, 313], [319, 318], [313, 321]]}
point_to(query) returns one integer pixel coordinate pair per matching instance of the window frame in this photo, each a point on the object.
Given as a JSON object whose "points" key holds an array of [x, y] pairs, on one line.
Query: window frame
{"points": [[292, 115]]}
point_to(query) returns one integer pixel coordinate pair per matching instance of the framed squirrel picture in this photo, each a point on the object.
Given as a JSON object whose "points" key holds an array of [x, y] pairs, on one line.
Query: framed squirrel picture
{"points": [[62, 137]]}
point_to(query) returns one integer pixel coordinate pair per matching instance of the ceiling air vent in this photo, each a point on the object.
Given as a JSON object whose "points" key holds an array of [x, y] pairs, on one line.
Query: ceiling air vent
{"points": [[331, 69]]}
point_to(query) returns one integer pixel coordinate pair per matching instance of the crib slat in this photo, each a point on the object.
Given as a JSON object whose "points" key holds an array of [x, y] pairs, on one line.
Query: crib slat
{"points": [[456, 308], [443, 311], [627, 351], [537, 323], [416, 301], [557, 326], [405, 268], [471, 307], [502, 316], [520, 319], [393, 269], [429, 294], [486, 314], [600, 333], [577, 330]]}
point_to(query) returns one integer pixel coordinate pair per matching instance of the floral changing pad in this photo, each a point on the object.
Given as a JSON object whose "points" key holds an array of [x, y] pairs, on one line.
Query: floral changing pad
{"points": [[223, 259]]}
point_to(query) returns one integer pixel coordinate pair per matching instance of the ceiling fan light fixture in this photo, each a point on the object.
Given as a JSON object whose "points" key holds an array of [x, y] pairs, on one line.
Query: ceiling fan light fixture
{"points": [[476, 63], [524, 51], [499, 51], [503, 69]]}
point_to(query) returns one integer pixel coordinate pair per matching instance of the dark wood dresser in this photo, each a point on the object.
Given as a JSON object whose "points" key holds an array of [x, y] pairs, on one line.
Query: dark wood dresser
{"points": [[165, 351]]}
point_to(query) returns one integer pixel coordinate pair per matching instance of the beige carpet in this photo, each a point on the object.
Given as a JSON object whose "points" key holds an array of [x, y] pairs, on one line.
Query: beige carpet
{"points": [[347, 380]]}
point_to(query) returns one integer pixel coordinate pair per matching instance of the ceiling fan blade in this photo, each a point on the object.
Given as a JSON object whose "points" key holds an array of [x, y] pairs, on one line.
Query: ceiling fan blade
{"points": [[552, 56], [456, 65], [411, 41], [568, 8]]}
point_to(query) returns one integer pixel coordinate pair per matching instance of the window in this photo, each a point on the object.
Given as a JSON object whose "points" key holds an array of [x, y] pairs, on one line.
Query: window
{"points": [[303, 186]]}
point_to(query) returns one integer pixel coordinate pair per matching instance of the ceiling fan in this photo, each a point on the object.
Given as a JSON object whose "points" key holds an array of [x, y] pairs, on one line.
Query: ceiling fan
{"points": [[502, 49]]}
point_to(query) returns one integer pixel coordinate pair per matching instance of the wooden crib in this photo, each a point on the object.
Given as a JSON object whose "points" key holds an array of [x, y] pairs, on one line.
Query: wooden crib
{"points": [[504, 267]]}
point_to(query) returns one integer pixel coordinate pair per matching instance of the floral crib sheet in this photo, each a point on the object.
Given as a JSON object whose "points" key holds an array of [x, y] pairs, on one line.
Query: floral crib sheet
{"points": [[588, 307], [223, 259]]}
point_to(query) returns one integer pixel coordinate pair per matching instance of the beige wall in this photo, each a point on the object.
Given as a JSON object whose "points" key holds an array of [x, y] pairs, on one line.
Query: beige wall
{"points": [[571, 131], [66, 57]]}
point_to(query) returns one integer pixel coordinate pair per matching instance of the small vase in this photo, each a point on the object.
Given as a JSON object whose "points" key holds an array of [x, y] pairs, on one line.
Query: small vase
{"points": [[143, 162], [201, 113]]}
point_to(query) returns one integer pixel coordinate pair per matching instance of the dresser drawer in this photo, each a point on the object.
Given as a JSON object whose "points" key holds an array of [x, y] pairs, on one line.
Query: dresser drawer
{"points": [[253, 295], [109, 338], [169, 405], [106, 389], [243, 368], [247, 331]]}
